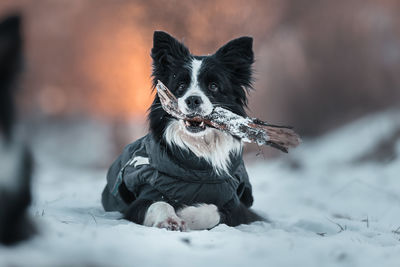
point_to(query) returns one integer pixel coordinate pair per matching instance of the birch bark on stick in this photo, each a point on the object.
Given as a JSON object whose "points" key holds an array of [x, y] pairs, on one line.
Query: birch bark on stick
{"points": [[247, 129]]}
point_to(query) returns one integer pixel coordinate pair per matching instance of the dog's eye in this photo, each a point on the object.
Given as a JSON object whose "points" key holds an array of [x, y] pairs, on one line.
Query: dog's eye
{"points": [[181, 86], [213, 87]]}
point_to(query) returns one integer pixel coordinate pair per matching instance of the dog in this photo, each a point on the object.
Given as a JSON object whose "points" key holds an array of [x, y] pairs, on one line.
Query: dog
{"points": [[184, 175], [16, 162]]}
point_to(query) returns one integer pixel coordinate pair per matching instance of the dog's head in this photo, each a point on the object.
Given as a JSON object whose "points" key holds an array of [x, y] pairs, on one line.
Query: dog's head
{"points": [[200, 83]]}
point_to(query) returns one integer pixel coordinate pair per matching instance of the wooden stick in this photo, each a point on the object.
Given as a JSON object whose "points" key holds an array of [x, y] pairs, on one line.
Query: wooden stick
{"points": [[247, 129]]}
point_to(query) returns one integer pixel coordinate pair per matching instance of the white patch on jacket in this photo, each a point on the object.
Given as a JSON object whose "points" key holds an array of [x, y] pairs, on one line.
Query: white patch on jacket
{"points": [[138, 160]]}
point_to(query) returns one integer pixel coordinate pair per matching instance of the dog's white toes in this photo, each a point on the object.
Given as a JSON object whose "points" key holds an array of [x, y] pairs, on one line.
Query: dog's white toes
{"points": [[162, 215], [200, 217], [172, 224]]}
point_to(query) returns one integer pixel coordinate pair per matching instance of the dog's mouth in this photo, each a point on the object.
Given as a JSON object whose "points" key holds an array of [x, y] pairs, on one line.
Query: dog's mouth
{"points": [[194, 126]]}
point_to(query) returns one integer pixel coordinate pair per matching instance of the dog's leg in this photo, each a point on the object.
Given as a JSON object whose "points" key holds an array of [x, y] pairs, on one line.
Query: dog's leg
{"points": [[162, 215], [159, 214], [240, 215], [200, 217], [136, 211]]}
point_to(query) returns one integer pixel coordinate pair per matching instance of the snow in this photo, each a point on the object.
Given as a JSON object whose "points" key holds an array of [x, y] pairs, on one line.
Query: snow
{"points": [[9, 155], [326, 210]]}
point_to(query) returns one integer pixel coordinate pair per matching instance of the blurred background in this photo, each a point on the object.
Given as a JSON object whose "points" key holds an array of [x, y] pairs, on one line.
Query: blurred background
{"points": [[329, 68], [86, 82]]}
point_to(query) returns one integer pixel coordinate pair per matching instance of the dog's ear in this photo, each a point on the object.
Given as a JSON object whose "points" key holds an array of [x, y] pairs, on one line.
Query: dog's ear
{"points": [[240, 49], [10, 59], [166, 50], [238, 56]]}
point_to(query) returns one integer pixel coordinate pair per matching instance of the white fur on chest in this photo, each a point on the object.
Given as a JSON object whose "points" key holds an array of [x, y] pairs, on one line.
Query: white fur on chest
{"points": [[213, 145]]}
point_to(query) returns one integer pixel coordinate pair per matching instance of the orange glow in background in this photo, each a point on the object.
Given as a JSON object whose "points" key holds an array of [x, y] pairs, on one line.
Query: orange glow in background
{"points": [[93, 57], [318, 63]]}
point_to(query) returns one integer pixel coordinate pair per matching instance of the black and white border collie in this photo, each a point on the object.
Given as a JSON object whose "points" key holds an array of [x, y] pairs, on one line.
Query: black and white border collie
{"points": [[200, 83]]}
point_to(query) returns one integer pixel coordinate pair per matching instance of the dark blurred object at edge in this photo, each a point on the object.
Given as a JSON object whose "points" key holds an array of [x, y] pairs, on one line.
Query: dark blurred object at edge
{"points": [[15, 158]]}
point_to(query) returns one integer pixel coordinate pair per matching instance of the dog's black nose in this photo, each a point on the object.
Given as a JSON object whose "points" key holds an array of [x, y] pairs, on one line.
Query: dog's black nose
{"points": [[193, 102]]}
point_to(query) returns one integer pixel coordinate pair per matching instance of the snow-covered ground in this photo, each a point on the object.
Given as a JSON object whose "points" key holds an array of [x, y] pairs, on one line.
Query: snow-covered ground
{"points": [[326, 207]]}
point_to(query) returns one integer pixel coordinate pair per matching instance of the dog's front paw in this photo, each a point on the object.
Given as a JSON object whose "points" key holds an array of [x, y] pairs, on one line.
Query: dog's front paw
{"points": [[162, 215], [172, 224], [200, 217]]}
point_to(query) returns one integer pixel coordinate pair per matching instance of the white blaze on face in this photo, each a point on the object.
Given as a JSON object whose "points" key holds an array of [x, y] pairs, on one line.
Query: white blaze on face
{"points": [[206, 107]]}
